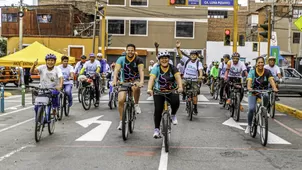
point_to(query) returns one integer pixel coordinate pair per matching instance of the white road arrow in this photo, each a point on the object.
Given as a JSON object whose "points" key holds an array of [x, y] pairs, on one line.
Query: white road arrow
{"points": [[271, 139], [97, 133]]}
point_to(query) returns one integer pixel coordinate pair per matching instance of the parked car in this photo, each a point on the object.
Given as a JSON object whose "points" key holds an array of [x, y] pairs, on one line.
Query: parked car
{"points": [[292, 81]]}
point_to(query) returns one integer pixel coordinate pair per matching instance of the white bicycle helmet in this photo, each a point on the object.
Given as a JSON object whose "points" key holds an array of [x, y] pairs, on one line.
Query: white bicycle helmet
{"points": [[163, 54]]}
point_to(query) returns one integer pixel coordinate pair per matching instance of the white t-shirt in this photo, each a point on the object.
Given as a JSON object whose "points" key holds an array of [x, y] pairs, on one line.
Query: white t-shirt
{"points": [[274, 70], [91, 67], [78, 67], [180, 68], [191, 70], [49, 79], [222, 67], [66, 73], [236, 70]]}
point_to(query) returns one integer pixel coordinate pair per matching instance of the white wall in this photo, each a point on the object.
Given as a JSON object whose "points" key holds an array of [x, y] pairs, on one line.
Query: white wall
{"points": [[216, 49]]}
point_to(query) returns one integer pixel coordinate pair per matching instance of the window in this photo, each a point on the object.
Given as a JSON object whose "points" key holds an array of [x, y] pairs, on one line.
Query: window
{"points": [[116, 2], [184, 29], [13, 17], [255, 47], [44, 18], [143, 3], [116, 27], [217, 14], [138, 27], [296, 37]]}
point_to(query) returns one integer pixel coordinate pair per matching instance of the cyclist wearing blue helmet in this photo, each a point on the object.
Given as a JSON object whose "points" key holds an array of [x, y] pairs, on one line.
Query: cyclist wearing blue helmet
{"points": [[50, 77], [92, 68]]}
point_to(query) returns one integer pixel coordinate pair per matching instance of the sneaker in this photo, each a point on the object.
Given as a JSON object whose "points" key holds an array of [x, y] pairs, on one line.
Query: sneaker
{"points": [[174, 120], [120, 126], [220, 102], [137, 109], [228, 101], [241, 108], [156, 133], [247, 130]]}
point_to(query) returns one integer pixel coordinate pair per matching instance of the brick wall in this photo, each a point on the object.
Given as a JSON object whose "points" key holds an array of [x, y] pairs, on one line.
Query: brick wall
{"points": [[216, 26]]}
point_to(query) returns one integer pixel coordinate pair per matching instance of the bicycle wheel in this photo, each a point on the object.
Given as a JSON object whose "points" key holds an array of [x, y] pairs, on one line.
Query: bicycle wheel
{"points": [[111, 98], [237, 108], [165, 130], [131, 119], [263, 123], [253, 129], [86, 102], [66, 105], [51, 122], [80, 94], [272, 108], [39, 123], [216, 92], [125, 120], [61, 106], [191, 110]]}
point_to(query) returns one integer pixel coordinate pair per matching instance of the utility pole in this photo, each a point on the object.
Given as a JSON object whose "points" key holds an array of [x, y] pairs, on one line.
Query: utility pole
{"points": [[104, 32], [235, 33], [94, 26], [290, 20], [21, 25], [269, 33], [273, 15]]}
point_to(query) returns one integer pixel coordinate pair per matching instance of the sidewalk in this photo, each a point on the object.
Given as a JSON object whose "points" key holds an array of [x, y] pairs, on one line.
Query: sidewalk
{"points": [[291, 106]]}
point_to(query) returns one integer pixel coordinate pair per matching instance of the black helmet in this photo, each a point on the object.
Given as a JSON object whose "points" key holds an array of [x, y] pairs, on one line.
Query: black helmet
{"points": [[194, 52], [226, 56], [235, 54], [83, 57]]}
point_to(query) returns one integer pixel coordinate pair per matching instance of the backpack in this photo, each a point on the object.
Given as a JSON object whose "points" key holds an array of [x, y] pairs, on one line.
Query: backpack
{"points": [[197, 65]]}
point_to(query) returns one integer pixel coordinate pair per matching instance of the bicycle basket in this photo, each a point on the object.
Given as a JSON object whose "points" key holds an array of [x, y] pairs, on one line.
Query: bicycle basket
{"points": [[86, 83], [42, 100], [35, 93]]}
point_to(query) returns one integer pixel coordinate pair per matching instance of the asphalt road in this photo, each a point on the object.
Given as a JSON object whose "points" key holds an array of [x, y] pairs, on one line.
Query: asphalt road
{"points": [[211, 141]]}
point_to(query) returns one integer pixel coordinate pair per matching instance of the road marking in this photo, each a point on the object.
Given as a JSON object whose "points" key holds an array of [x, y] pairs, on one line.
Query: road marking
{"points": [[271, 139], [105, 97], [16, 96], [97, 133], [202, 98], [280, 114], [5, 114], [231, 122], [15, 125], [134, 153], [13, 152], [163, 163], [288, 128], [12, 108]]}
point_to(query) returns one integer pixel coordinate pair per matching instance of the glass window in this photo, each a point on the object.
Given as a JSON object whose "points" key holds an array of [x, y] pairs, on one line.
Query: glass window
{"points": [[11, 17], [116, 2], [217, 14], [138, 27], [44, 18], [296, 37], [184, 29], [139, 2], [116, 27]]}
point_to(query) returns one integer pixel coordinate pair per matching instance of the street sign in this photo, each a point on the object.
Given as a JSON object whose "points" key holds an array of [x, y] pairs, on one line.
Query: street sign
{"points": [[274, 41], [193, 2], [97, 133], [217, 2], [275, 51], [298, 23]]}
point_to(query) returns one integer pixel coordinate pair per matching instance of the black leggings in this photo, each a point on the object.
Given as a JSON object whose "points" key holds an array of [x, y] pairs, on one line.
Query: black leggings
{"points": [[159, 106], [96, 87]]}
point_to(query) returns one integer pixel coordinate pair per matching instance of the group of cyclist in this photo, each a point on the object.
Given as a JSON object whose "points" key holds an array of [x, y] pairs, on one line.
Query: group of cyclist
{"points": [[164, 77]]}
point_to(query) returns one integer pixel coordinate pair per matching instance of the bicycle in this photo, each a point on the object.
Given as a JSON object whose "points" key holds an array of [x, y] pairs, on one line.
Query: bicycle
{"points": [[166, 119], [113, 95], [42, 99], [234, 106], [272, 102], [88, 93], [129, 116], [216, 88], [260, 118], [64, 104], [190, 94]]}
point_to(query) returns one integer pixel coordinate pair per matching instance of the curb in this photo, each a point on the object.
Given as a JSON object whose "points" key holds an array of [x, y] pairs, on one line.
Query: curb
{"points": [[289, 110], [7, 94]]}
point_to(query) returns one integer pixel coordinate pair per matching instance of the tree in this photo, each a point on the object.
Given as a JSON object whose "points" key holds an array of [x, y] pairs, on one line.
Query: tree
{"points": [[3, 47]]}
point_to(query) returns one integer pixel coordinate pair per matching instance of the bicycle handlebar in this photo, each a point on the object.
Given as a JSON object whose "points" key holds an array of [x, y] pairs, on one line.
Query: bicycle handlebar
{"points": [[261, 91], [39, 88]]}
